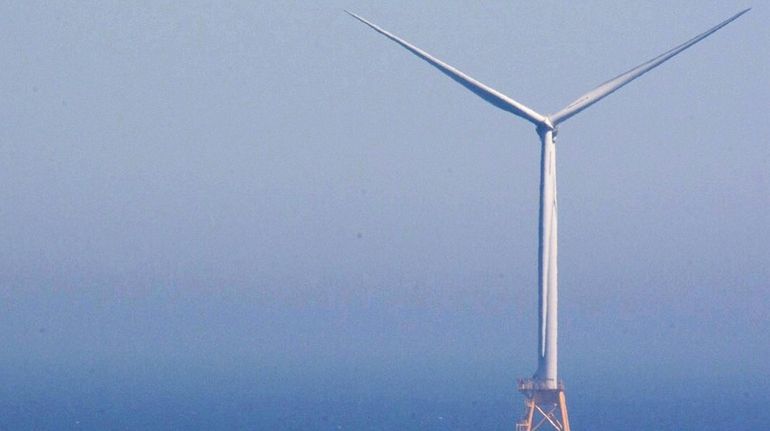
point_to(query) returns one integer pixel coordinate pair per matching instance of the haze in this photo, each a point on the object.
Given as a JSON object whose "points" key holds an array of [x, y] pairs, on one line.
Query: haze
{"points": [[263, 215]]}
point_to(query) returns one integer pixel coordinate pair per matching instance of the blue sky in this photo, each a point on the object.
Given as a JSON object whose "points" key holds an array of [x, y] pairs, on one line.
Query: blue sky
{"points": [[272, 196]]}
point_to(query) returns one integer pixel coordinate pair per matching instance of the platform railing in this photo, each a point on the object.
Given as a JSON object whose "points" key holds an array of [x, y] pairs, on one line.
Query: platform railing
{"points": [[537, 385]]}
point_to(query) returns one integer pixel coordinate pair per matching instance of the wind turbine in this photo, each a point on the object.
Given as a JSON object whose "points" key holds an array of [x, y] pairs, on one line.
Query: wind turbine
{"points": [[544, 392]]}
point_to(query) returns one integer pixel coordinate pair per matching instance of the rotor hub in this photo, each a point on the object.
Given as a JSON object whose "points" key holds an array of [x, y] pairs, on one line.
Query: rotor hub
{"points": [[547, 126]]}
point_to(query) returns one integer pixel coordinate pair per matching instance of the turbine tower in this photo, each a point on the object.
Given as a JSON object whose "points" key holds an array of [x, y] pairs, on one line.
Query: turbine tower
{"points": [[544, 392]]}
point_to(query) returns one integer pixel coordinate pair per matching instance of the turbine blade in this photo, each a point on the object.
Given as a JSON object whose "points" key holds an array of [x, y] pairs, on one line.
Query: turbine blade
{"points": [[487, 93], [613, 84]]}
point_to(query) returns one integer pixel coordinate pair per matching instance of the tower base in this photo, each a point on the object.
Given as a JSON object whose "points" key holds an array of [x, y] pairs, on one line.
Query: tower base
{"points": [[543, 408]]}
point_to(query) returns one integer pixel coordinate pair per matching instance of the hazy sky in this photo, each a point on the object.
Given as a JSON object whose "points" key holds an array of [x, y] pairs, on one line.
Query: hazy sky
{"points": [[271, 197]]}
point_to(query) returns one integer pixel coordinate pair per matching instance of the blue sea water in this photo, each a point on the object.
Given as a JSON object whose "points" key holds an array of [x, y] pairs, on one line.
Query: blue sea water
{"points": [[80, 403]]}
